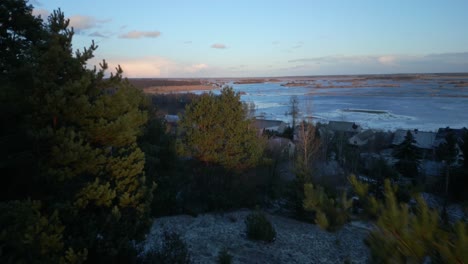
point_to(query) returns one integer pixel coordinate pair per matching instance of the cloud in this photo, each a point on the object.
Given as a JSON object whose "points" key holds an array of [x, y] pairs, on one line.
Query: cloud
{"points": [[156, 66], [218, 46], [41, 12], [196, 68], [36, 3], [140, 34], [392, 63], [298, 45], [387, 60], [81, 23], [188, 42], [336, 59], [98, 34]]}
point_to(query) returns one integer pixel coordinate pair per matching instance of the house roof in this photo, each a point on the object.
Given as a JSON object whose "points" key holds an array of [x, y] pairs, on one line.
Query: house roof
{"points": [[361, 138], [443, 132], [424, 140], [343, 126]]}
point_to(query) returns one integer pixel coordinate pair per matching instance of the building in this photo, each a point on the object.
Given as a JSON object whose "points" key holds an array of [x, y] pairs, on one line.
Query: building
{"points": [[424, 140], [362, 138], [273, 125]]}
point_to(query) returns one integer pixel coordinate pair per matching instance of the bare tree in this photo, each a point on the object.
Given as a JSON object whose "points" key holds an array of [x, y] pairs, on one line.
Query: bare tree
{"points": [[307, 146]]}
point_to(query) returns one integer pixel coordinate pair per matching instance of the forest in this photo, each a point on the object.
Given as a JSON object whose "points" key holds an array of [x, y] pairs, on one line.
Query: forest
{"points": [[88, 163]]}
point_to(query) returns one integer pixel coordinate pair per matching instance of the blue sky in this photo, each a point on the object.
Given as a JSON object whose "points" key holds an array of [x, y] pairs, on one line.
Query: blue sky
{"points": [[197, 38]]}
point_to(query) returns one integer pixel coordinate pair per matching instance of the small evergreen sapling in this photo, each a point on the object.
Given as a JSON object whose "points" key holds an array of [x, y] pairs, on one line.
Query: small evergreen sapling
{"points": [[259, 227]]}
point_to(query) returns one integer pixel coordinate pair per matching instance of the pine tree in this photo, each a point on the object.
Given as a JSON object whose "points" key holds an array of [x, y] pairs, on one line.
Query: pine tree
{"points": [[20, 32], [405, 234], [83, 130], [447, 152], [464, 149], [330, 213], [217, 131], [408, 155]]}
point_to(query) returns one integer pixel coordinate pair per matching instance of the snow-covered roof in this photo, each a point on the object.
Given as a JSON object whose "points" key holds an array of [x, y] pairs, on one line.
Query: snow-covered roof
{"points": [[424, 140]]}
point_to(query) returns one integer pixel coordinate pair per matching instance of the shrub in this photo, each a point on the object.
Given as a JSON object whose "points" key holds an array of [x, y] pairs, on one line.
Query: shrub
{"points": [[174, 250], [330, 213], [224, 257], [259, 228]]}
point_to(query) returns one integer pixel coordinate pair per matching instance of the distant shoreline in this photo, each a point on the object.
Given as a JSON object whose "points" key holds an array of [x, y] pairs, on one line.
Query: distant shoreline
{"points": [[178, 88]]}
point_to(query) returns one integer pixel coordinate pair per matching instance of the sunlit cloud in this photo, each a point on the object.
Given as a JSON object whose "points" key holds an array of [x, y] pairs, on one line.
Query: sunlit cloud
{"points": [[140, 34], [155, 66], [218, 46]]}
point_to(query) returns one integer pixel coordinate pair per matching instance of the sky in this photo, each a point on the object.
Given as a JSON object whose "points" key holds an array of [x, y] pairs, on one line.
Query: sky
{"points": [[256, 38]]}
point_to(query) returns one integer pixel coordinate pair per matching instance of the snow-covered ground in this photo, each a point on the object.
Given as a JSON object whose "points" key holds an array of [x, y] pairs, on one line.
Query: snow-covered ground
{"points": [[423, 104], [296, 242]]}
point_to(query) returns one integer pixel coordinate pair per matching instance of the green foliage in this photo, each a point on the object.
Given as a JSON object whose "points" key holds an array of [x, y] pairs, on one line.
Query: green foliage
{"points": [[259, 227], [464, 149], [408, 155], [307, 147], [369, 203], [161, 166], [406, 235], [330, 214], [224, 257], [77, 132], [448, 151], [379, 170], [173, 251], [216, 131], [29, 236], [402, 235], [456, 243]]}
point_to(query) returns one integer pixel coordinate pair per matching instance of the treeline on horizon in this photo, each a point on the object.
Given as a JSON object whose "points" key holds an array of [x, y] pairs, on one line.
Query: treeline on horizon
{"points": [[150, 82]]}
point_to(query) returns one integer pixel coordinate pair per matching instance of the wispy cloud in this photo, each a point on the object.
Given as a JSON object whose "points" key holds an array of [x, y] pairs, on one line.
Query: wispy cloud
{"points": [[338, 59], [135, 34], [188, 42], [81, 23], [218, 46], [98, 34], [390, 63], [298, 45]]}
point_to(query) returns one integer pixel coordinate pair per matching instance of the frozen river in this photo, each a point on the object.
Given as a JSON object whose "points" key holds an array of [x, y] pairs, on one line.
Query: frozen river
{"points": [[426, 104]]}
